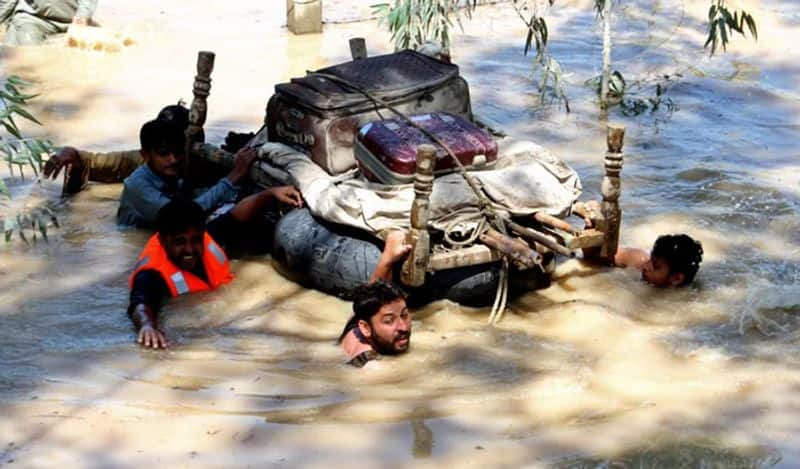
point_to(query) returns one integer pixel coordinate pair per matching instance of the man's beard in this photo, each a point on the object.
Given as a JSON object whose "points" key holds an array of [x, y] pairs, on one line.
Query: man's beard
{"points": [[387, 347]]}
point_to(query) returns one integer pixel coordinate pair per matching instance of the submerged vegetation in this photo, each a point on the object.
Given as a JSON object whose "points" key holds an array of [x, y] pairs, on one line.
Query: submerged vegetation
{"points": [[722, 24], [414, 22], [19, 153]]}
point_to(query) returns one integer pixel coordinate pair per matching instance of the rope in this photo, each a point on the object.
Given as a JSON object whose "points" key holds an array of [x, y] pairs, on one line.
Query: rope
{"points": [[489, 213], [459, 216], [485, 204], [501, 295]]}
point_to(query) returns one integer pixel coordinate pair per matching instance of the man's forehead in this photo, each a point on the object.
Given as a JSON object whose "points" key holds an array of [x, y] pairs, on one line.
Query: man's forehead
{"points": [[188, 233], [393, 307]]}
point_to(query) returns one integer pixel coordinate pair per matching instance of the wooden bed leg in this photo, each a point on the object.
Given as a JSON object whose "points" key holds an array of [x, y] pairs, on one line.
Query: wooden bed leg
{"points": [[358, 48], [199, 109], [416, 265], [611, 189]]}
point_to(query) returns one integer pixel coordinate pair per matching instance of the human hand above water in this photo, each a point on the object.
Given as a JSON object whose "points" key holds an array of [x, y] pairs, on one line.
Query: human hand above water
{"points": [[396, 247], [243, 159], [288, 195], [150, 337], [64, 158]]}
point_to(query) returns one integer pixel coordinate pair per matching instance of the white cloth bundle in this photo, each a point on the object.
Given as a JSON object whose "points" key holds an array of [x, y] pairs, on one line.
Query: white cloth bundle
{"points": [[525, 179]]}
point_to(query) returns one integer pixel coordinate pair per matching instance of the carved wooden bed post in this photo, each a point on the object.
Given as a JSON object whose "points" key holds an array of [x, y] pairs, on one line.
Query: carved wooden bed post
{"points": [[611, 189], [358, 48], [201, 90], [416, 265]]}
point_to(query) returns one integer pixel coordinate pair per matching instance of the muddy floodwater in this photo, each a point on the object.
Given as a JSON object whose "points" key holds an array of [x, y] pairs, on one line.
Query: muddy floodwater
{"points": [[599, 370]]}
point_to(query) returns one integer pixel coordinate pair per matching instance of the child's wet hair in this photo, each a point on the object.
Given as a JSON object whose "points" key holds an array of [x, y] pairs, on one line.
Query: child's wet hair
{"points": [[681, 252]]}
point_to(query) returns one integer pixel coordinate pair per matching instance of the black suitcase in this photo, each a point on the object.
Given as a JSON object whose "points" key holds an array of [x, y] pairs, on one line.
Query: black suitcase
{"points": [[321, 117]]}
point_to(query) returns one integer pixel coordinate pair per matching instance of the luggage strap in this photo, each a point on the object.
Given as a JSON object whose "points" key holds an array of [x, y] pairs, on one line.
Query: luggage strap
{"points": [[490, 214]]}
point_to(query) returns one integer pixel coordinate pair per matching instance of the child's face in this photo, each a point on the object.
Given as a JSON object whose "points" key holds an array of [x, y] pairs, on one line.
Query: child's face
{"points": [[656, 272]]}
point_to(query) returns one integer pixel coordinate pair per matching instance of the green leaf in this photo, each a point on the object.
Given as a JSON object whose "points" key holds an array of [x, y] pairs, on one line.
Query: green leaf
{"points": [[42, 228], [33, 165], [17, 81], [528, 41], [726, 15], [751, 25], [11, 88], [545, 33], [10, 97], [712, 37], [22, 112], [21, 230], [52, 215], [723, 33], [11, 128], [4, 189]]}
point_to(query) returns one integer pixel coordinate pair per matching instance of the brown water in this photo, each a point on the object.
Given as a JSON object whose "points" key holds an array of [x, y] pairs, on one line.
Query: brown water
{"points": [[597, 371]]}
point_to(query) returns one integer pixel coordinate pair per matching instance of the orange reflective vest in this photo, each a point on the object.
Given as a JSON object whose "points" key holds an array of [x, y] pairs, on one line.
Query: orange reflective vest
{"points": [[154, 257]]}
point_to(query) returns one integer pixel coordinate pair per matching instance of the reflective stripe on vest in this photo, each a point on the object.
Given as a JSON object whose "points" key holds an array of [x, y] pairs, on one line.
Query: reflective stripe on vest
{"points": [[217, 252], [215, 263], [179, 282]]}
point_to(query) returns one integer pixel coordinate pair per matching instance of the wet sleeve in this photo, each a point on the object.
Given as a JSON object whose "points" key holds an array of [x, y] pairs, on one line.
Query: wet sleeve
{"points": [[86, 8], [107, 167], [222, 192], [149, 288], [112, 166]]}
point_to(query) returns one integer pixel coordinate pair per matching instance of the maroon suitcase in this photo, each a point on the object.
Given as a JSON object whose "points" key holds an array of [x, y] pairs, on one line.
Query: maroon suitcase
{"points": [[386, 150]]}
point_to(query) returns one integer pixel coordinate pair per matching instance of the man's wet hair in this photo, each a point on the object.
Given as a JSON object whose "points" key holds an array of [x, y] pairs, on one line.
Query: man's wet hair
{"points": [[177, 114], [682, 254], [162, 136], [178, 215], [368, 300]]}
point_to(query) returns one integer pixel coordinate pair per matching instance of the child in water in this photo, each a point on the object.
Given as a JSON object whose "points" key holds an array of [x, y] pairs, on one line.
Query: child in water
{"points": [[673, 261]]}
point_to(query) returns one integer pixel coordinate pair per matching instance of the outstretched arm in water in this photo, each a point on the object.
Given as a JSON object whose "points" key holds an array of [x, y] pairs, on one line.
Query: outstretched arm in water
{"points": [[83, 166], [146, 295], [394, 250], [631, 257]]}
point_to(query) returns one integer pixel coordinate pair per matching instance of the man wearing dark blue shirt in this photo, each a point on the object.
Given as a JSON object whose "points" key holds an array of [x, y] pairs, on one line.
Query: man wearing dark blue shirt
{"points": [[159, 180]]}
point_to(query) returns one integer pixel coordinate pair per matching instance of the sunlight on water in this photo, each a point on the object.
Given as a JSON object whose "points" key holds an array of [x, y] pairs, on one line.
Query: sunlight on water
{"points": [[599, 370]]}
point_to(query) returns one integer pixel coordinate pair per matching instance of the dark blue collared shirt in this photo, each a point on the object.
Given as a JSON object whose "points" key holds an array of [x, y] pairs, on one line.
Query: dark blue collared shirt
{"points": [[146, 192]]}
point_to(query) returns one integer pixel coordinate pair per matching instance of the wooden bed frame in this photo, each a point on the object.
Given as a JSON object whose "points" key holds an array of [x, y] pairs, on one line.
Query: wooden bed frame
{"points": [[522, 245]]}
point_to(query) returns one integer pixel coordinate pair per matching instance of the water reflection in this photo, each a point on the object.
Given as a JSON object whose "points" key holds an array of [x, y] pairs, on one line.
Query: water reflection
{"points": [[597, 360], [423, 436], [679, 455]]}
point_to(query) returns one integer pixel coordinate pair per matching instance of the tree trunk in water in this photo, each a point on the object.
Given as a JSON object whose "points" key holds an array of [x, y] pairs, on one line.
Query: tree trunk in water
{"points": [[606, 54]]}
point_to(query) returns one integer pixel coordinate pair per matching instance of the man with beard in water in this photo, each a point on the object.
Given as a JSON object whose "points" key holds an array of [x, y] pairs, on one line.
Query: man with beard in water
{"points": [[381, 322]]}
